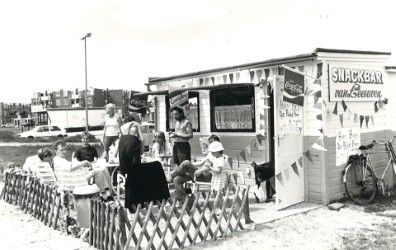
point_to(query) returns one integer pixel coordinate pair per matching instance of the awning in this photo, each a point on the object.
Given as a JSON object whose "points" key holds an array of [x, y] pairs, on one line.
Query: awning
{"points": [[212, 87]]}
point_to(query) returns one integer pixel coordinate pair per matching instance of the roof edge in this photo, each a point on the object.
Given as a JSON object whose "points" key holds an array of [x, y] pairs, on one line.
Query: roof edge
{"points": [[347, 51]]}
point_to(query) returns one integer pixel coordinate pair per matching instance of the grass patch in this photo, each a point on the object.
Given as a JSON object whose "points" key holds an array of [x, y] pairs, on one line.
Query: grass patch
{"points": [[18, 155]]}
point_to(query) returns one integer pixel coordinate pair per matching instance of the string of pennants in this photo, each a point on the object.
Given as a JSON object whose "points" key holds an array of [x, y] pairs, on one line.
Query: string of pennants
{"points": [[357, 117]]}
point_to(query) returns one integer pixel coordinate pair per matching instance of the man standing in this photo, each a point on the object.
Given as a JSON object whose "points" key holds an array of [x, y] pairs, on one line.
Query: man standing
{"points": [[183, 133]]}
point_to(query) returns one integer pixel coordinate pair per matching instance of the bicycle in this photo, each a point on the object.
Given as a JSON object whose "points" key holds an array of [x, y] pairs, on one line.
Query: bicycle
{"points": [[361, 183]]}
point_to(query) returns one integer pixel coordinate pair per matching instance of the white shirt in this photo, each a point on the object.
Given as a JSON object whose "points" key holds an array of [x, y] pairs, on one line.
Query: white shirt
{"points": [[67, 178], [112, 125], [40, 169]]}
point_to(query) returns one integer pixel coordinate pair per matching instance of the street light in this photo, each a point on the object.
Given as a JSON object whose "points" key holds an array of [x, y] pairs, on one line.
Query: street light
{"points": [[86, 80]]}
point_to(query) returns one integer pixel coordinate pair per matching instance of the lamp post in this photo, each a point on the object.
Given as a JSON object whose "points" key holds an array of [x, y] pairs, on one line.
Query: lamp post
{"points": [[86, 80]]}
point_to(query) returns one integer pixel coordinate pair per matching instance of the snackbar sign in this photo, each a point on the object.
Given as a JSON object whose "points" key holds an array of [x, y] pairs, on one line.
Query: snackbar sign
{"points": [[355, 84]]}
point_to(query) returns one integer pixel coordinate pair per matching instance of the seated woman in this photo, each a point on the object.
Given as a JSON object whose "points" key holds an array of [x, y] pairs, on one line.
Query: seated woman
{"points": [[40, 166], [160, 148]]}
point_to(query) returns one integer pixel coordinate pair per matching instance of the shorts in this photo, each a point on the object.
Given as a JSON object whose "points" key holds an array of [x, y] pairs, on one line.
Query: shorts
{"points": [[108, 140]]}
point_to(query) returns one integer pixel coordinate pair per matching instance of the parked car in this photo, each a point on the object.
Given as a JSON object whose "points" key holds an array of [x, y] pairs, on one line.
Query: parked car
{"points": [[148, 130], [7, 125], [44, 131]]}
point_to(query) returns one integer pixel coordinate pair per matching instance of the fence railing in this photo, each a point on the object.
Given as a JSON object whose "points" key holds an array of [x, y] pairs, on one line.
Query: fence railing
{"points": [[202, 217], [42, 201]]}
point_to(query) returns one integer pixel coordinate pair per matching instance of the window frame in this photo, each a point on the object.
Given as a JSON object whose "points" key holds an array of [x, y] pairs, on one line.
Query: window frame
{"points": [[212, 94]]}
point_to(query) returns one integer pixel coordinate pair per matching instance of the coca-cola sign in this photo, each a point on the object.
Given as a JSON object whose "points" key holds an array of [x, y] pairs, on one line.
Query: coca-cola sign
{"points": [[293, 88]]}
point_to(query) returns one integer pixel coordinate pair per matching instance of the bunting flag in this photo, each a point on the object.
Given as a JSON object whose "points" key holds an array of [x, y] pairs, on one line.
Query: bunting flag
{"points": [[260, 138], [376, 107], [262, 117], [324, 103], [321, 130], [318, 105], [259, 73], [251, 75], [279, 177], [266, 73], [367, 118], [361, 120], [308, 155], [225, 79], [344, 106], [318, 147], [341, 116], [262, 126], [243, 155], [335, 111], [355, 117], [319, 70], [253, 144], [319, 117], [380, 104], [372, 120], [295, 168], [317, 95], [385, 101], [213, 80], [248, 150], [300, 161], [318, 81], [231, 76]]}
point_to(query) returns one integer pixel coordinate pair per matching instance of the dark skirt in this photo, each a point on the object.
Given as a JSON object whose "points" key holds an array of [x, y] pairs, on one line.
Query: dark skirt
{"points": [[129, 149]]}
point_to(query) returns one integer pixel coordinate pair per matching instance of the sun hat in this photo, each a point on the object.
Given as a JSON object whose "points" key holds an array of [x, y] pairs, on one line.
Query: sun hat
{"points": [[215, 147]]}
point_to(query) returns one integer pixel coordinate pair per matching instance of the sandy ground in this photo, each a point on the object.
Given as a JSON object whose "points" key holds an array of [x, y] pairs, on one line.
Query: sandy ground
{"points": [[307, 226]]}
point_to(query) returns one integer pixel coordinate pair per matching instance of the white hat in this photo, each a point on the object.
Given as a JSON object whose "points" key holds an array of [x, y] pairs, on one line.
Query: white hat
{"points": [[215, 147]]}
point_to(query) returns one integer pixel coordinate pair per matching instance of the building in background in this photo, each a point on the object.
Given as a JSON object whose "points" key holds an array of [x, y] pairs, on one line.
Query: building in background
{"points": [[71, 99], [11, 111]]}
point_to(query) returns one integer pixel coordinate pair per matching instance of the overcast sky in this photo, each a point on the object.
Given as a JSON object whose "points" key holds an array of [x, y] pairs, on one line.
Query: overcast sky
{"points": [[40, 46]]}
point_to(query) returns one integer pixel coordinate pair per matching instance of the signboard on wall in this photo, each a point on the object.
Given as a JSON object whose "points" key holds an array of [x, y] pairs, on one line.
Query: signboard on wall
{"points": [[356, 83], [138, 103], [347, 143], [293, 88]]}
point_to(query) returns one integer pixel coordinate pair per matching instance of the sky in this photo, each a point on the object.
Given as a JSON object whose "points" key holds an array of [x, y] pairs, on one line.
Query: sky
{"points": [[41, 47]]}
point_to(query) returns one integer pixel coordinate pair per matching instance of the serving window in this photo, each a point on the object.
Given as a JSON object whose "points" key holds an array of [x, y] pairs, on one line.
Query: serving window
{"points": [[232, 109], [191, 110]]}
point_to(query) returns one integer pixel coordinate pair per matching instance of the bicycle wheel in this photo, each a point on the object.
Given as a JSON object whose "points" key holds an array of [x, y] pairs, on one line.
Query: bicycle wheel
{"points": [[360, 183], [114, 183]]}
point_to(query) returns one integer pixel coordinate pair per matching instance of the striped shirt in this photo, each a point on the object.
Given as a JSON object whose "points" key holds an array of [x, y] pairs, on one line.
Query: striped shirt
{"points": [[67, 178], [40, 169]]}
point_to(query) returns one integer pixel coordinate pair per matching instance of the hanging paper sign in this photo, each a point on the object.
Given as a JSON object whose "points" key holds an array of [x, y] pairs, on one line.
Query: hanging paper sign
{"points": [[138, 104], [356, 82], [294, 88], [347, 143]]}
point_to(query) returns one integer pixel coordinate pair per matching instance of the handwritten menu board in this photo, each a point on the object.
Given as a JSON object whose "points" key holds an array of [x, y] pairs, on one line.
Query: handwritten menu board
{"points": [[290, 122], [347, 143]]}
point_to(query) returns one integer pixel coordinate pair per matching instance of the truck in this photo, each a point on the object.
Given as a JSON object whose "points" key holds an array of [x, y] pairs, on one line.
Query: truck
{"points": [[73, 119]]}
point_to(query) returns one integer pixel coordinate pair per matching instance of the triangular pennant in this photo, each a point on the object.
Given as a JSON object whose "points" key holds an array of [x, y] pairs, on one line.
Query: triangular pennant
{"points": [[248, 150], [225, 79], [262, 117], [319, 117], [253, 143], [295, 168], [259, 73], [335, 111], [243, 155], [355, 117], [341, 116], [372, 120], [251, 75], [279, 177], [376, 107], [300, 161], [344, 106], [361, 120], [385, 101], [318, 105], [308, 155], [318, 81], [231, 76], [321, 130], [367, 119], [266, 72], [324, 103], [318, 147], [317, 95], [262, 126], [260, 137], [213, 80], [319, 70], [380, 104]]}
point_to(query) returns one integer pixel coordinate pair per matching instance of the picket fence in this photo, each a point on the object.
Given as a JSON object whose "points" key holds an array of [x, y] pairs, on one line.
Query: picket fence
{"points": [[202, 217], [42, 201]]}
